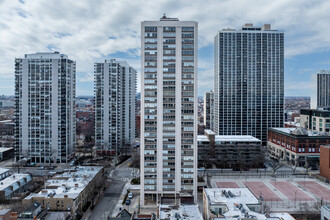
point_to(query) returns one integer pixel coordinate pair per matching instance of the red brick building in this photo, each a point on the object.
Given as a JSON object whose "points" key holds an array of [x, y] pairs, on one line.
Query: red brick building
{"points": [[325, 161], [296, 145]]}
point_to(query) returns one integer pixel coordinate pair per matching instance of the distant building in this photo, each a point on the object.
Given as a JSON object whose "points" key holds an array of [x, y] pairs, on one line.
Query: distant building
{"points": [[315, 119], [45, 114], [296, 146], [115, 94], [229, 151], [248, 81], [325, 161], [209, 110], [70, 191], [323, 89]]}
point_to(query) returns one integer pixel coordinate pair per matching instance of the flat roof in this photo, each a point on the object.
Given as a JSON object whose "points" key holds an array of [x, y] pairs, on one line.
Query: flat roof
{"points": [[241, 195], [187, 212], [230, 138], [3, 149], [210, 132], [3, 170], [70, 183], [310, 133]]}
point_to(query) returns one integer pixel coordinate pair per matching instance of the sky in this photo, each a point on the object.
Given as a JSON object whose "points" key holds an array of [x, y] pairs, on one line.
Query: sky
{"points": [[90, 31]]}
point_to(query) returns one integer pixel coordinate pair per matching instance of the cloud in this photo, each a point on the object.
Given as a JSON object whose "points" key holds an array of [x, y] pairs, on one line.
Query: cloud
{"points": [[88, 31]]}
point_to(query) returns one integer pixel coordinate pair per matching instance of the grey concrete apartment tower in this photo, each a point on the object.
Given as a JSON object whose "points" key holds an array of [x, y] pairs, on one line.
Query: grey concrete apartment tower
{"points": [[45, 110], [323, 89], [249, 81], [209, 110], [168, 110], [115, 94]]}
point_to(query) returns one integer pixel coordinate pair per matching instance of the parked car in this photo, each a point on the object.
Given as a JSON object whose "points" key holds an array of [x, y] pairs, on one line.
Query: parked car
{"points": [[128, 202], [130, 195], [41, 168]]}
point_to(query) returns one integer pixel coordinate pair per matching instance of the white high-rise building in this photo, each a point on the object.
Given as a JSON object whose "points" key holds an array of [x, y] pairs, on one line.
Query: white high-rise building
{"points": [[115, 94], [248, 81], [45, 92], [168, 110]]}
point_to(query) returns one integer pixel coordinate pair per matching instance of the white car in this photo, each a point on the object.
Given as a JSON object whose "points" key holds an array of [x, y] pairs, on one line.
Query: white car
{"points": [[130, 195]]}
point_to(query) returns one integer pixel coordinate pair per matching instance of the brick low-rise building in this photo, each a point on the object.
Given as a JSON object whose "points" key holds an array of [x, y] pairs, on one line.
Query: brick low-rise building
{"points": [[296, 146], [325, 161]]}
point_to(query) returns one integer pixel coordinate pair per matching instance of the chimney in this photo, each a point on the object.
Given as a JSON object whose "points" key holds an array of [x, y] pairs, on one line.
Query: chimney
{"points": [[76, 185]]}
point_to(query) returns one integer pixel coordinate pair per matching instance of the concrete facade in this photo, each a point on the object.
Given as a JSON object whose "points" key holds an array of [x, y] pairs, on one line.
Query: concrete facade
{"points": [[168, 110], [45, 92]]}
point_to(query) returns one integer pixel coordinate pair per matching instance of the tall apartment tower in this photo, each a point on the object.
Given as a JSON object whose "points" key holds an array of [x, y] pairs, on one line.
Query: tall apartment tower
{"points": [[249, 81], [45, 111], [168, 110], [323, 89], [115, 94], [209, 110]]}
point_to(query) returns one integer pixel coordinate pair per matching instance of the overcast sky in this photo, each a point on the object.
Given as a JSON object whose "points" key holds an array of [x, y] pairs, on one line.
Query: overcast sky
{"points": [[89, 31]]}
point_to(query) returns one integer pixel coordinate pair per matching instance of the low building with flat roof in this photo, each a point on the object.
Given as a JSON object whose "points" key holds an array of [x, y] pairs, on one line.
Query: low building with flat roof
{"points": [[70, 191], [174, 212], [13, 184], [229, 150], [296, 146], [235, 203]]}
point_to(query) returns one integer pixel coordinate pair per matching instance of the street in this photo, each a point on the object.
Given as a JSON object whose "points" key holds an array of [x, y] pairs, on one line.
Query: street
{"points": [[118, 177]]}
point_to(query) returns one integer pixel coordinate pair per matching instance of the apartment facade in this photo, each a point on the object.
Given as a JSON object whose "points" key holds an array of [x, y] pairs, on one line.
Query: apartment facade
{"points": [[323, 89], [209, 110], [249, 81], [296, 146], [115, 95], [315, 119], [45, 91], [168, 110]]}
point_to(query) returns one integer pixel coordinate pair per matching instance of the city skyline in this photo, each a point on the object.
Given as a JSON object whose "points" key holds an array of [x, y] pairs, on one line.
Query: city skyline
{"points": [[98, 36]]}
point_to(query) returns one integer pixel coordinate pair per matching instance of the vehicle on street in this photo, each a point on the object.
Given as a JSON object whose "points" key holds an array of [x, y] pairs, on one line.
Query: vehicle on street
{"points": [[128, 202], [130, 195], [41, 168]]}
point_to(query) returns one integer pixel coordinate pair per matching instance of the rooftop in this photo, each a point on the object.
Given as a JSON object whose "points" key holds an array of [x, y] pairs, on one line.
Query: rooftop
{"points": [[3, 149], [3, 170], [13, 181], [300, 132], [70, 183], [46, 55], [230, 138], [230, 195], [183, 212], [164, 18]]}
